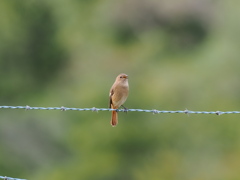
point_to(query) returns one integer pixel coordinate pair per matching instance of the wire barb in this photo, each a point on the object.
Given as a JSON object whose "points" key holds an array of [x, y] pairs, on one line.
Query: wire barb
{"points": [[94, 109], [28, 107], [63, 108], [154, 111], [218, 113]]}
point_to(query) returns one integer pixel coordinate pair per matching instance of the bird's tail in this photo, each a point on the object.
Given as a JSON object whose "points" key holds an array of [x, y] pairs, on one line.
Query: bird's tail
{"points": [[114, 119]]}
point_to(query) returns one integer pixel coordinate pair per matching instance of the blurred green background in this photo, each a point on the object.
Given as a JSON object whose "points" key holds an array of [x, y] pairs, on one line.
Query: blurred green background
{"points": [[178, 54]]}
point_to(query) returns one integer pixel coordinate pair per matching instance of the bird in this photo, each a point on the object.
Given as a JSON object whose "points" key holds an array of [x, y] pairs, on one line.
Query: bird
{"points": [[118, 95]]}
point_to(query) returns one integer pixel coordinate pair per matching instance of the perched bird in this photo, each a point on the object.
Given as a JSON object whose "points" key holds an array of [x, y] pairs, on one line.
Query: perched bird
{"points": [[118, 95]]}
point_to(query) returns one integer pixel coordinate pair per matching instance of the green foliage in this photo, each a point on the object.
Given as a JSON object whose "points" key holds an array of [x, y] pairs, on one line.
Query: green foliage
{"points": [[67, 53], [31, 57]]}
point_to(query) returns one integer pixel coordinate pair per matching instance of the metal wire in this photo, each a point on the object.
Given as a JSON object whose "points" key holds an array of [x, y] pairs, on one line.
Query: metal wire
{"points": [[154, 111], [9, 178]]}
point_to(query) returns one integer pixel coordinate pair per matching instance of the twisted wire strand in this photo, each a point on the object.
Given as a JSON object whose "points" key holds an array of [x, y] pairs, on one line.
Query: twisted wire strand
{"points": [[154, 111], [9, 178]]}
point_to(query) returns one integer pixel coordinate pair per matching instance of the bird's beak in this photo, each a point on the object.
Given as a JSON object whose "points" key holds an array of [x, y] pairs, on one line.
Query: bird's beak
{"points": [[125, 76]]}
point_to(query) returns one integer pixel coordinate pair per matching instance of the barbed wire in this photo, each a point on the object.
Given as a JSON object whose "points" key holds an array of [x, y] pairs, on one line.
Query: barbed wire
{"points": [[9, 178], [154, 111]]}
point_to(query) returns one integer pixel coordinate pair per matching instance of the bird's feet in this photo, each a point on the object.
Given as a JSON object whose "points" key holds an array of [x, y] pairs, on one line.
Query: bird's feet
{"points": [[125, 109]]}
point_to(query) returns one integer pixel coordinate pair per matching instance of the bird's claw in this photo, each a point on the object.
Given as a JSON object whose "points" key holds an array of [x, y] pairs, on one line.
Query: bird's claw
{"points": [[125, 109]]}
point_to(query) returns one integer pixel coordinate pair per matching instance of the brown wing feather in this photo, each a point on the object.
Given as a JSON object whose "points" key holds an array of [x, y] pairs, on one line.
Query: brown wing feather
{"points": [[110, 98]]}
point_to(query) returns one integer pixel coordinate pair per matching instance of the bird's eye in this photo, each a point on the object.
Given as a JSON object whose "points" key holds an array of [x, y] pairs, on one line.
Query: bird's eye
{"points": [[120, 76]]}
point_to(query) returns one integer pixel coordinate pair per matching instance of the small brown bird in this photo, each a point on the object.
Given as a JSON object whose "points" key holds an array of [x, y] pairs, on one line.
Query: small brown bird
{"points": [[118, 95]]}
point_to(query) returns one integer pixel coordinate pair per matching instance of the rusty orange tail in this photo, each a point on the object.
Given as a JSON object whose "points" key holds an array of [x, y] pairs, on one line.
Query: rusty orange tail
{"points": [[114, 119]]}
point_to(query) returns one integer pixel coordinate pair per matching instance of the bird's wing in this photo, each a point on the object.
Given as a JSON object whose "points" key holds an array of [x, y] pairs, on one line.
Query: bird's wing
{"points": [[110, 97]]}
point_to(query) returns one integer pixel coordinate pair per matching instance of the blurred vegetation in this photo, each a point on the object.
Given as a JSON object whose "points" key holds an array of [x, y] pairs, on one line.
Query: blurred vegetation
{"points": [[178, 54]]}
